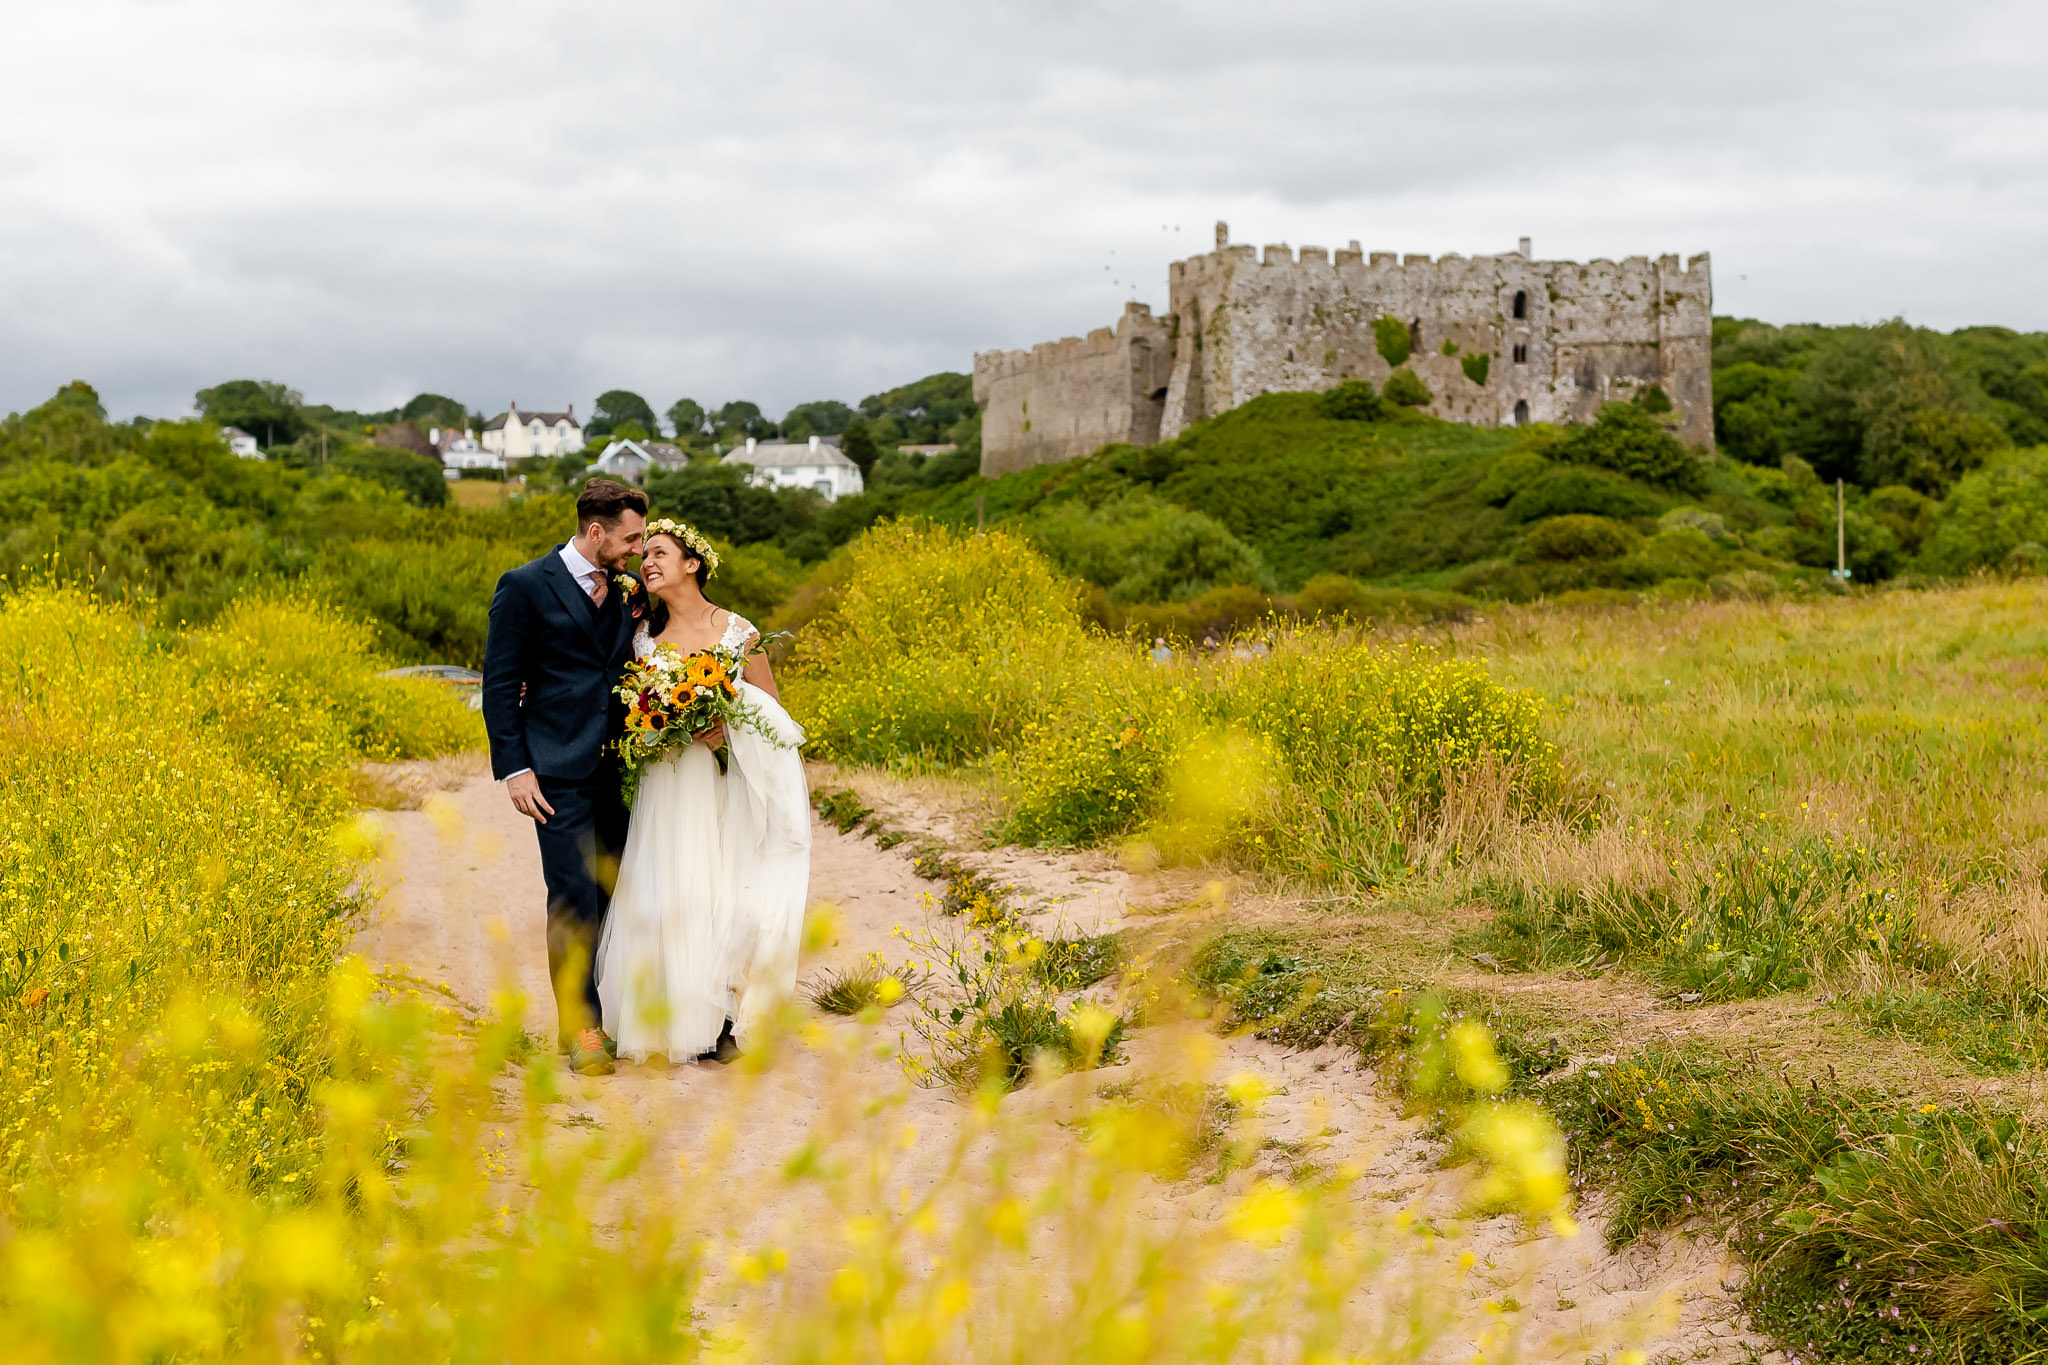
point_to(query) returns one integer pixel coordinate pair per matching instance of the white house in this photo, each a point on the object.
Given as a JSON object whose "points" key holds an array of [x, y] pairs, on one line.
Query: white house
{"points": [[816, 464], [241, 443], [461, 450], [514, 435], [630, 460]]}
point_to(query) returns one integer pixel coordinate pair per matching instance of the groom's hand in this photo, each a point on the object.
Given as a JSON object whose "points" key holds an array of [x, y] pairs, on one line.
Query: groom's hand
{"points": [[526, 798]]}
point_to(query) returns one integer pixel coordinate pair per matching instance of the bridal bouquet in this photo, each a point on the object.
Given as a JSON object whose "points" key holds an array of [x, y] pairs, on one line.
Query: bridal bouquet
{"points": [[671, 697]]}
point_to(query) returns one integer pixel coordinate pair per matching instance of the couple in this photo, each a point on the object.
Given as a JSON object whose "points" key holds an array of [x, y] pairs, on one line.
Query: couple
{"points": [[671, 928]]}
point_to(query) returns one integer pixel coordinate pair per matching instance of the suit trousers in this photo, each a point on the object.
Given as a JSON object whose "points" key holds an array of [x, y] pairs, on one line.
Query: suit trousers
{"points": [[580, 848]]}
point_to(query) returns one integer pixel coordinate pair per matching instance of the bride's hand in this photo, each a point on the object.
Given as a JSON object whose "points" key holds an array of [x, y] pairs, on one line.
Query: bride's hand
{"points": [[714, 738]]}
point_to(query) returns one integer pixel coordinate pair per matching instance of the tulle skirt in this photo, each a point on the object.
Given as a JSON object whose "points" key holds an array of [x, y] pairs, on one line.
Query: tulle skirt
{"points": [[707, 911]]}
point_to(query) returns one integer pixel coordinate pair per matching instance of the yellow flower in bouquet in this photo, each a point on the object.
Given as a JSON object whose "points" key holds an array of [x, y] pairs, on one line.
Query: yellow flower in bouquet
{"points": [[672, 697]]}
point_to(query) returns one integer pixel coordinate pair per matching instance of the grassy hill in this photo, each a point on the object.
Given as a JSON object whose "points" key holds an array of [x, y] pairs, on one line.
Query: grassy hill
{"points": [[1280, 496]]}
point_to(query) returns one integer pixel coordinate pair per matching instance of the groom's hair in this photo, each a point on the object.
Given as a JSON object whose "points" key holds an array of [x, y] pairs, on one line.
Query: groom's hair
{"points": [[605, 501]]}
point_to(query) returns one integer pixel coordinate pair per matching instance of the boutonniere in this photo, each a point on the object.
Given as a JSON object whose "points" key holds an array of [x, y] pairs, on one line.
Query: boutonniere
{"points": [[630, 586]]}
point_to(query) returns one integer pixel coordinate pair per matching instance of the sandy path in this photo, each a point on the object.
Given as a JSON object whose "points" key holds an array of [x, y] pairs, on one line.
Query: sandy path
{"points": [[462, 909]]}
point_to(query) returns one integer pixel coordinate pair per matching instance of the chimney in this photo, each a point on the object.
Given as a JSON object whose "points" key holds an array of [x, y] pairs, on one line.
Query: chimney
{"points": [[433, 436], [1523, 248], [814, 440], [750, 445], [572, 406], [470, 432], [1222, 233]]}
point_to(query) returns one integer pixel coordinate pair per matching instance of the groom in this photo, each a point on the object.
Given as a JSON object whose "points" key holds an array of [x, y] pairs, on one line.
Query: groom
{"points": [[560, 635]]}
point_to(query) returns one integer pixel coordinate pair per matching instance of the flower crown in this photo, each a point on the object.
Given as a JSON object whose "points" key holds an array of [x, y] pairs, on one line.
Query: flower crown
{"points": [[689, 536]]}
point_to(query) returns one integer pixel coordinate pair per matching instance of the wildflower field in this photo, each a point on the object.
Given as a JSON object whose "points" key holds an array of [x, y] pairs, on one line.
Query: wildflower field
{"points": [[224, 1138], [1755, 893]]}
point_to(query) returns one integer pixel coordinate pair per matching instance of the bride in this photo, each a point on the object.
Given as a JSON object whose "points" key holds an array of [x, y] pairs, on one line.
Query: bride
{"points": [[701, 938]]}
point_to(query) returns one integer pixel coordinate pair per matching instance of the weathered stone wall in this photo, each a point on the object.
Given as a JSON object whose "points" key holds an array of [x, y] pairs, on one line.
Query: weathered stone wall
{"points": [[1067, 398], [1244, 322]]}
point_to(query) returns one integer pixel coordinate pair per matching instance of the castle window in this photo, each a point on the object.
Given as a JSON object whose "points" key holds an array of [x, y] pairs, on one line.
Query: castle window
{"points": [[1521, 303], [1415, 335], [1521, 353], [1521, 412]]}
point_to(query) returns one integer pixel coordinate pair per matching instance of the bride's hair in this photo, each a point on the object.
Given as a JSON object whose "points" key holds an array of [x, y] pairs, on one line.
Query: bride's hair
{"points": [[657, 610]]}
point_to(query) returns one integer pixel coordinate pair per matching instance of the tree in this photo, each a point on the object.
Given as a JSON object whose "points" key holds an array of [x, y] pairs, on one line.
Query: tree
{"points": [[745, 419], [631, 431], [687, 417], [264, 408], [616, 407], [78, 396], [434, 410], [922, 412], [860, 446], [828, 417], [419, 480]]}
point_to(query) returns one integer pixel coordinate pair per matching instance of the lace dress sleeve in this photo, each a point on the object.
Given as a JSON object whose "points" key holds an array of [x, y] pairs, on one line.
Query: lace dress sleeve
{"points": [[739, 631]]}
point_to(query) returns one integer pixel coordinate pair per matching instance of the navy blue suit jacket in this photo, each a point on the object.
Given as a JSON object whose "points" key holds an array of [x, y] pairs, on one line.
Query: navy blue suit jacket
{"points": [[551, 661]]}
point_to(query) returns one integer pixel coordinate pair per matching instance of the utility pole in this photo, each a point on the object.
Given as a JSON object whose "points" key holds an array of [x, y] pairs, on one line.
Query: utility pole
{"points": [[1841, 536]]}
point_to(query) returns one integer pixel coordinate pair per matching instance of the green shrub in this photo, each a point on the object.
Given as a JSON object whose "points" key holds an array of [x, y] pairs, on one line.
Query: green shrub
{"points": [[1576, 537], [1405, 389], [419, 479], [1141, 548], [1390, 335], [1220, 612], [1509, 475], [1712, 525], [1353, 400], [1629, 441], [1334, 595], [1675, 552], [1653, 400], [1476, 366], [1596, 492]]}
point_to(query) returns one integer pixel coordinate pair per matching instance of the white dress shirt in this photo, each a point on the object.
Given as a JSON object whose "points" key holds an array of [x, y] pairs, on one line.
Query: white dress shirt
{"points": [[579, 569]]}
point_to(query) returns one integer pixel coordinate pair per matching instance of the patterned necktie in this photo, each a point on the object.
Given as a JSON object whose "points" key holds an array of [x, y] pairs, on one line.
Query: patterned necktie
{"points": [[597, 587]]}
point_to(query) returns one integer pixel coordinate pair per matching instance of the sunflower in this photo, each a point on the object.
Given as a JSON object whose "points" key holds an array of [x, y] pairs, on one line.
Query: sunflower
{"points": [[704, 671]]}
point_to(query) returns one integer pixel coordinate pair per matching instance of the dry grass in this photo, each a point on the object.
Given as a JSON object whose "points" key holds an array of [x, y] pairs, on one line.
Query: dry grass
{"points": [[479, 492], [404, 786]]}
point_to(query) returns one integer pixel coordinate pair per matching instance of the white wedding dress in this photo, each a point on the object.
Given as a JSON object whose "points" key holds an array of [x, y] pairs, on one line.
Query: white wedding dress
{"points": [[708, 908]]}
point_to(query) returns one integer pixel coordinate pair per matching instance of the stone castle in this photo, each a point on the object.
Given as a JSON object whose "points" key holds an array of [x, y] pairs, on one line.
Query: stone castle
{"points": [[1558, 339]]}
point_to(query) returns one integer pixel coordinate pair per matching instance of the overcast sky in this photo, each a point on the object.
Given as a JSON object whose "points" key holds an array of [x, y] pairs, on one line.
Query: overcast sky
{"points": [[535, 202]]}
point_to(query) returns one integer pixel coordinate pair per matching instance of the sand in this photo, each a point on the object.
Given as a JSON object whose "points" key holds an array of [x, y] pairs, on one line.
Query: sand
{"points": [[462, 909]]}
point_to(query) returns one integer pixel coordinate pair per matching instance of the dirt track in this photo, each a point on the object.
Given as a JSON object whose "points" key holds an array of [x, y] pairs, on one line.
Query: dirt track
{"points": [[463, 909]]}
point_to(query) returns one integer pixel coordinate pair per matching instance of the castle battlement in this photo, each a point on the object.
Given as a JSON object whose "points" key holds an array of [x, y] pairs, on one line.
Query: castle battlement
{"points": [[1559, 338]]}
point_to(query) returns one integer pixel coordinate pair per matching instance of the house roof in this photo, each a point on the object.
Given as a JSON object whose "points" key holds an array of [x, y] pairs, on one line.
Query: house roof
{"points": [[546, 419], [654, 452], [788, 454], [231, 433]]}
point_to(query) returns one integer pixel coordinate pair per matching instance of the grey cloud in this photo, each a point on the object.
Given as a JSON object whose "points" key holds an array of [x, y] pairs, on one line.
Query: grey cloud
{"points": [[785, 201]]}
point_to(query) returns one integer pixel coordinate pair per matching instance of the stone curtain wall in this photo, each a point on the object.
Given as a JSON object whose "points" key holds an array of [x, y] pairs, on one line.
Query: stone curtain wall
{"points": [[1068, 398], [1244, 322]]}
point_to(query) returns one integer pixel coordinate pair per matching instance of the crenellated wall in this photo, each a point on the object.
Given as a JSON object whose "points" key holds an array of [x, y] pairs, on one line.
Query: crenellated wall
{"points": [[1244, 322], [1067, 398]]}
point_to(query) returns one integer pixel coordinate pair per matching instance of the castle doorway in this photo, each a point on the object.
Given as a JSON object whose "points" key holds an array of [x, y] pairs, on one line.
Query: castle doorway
{"points": [[1521, 412]]}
